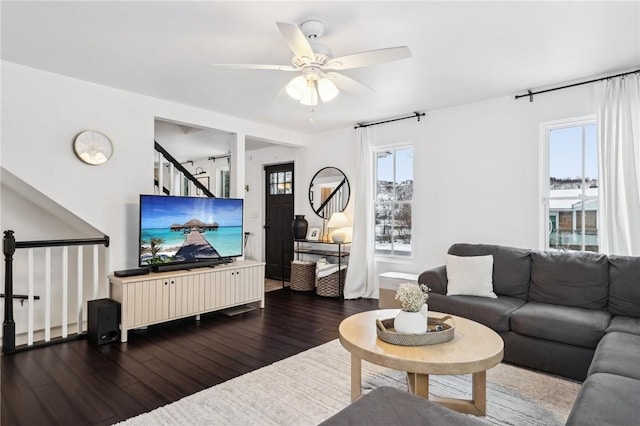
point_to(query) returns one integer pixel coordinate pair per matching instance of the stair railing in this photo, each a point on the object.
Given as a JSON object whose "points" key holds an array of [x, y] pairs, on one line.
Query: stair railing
{"points": [[10, 245], [175, 165]]}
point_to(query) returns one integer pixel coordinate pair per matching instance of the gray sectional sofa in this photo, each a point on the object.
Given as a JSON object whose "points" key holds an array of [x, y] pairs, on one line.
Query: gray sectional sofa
{"points": [[574, 314]]}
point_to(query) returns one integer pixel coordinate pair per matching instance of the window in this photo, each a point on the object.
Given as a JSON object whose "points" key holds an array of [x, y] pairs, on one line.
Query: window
{"points": [[280, 183], [570, 186], [393, 198]]}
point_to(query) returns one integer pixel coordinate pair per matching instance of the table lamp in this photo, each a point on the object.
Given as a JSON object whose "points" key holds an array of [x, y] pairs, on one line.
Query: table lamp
{"points": [[338, 221]]}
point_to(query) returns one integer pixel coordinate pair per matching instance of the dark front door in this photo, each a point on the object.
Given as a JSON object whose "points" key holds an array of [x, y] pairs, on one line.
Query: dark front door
{"points": [[278, 217]]}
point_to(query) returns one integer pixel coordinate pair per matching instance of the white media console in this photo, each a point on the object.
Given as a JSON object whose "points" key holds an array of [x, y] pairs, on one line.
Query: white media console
{"points": [[165, 296]]}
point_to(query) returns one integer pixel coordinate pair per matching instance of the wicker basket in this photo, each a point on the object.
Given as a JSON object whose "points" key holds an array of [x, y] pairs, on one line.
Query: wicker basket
{"points": [[303, 275], [445, 332], [329, 286]]}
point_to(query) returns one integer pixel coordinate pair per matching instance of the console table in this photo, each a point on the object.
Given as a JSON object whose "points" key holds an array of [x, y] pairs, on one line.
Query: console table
{"points": [[165, 296]]}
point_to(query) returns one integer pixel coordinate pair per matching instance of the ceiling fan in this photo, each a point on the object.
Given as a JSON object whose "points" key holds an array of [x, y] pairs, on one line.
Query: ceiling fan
{"points": [[320, 75]]}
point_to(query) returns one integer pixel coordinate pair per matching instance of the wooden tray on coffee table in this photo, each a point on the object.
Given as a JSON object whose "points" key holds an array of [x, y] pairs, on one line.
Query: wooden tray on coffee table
{"points": [[438, 331]]}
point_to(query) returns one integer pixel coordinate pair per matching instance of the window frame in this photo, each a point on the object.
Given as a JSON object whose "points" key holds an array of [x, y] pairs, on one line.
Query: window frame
{"points": [[545, 129], [374, 156]]}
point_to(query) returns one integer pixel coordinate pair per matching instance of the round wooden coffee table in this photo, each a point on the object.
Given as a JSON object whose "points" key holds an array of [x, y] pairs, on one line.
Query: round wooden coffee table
{"points": [[473, 350]]}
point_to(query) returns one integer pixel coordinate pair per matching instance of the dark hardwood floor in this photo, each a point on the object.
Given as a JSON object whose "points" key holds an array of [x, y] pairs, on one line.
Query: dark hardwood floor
{"points": [[76, 383]]}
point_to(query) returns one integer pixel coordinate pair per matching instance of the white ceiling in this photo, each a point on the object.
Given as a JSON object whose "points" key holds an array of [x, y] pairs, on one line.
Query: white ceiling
{"points": [[461, 51]]}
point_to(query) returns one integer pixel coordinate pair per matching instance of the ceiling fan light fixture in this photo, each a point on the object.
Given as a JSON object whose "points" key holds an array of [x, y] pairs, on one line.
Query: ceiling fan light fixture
{"points": [[310, 97], [297, 87], [327, 89]]}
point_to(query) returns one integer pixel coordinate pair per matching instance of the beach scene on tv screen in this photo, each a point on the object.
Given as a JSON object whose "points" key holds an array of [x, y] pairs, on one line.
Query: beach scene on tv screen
{"points": [[182, 229]]}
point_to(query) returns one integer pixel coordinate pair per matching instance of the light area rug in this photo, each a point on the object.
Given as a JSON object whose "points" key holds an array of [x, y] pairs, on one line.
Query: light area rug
{"points": [[309, 387]]}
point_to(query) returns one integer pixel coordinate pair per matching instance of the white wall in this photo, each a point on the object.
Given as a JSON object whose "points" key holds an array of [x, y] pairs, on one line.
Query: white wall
{"points": [[41, 114], [475, 169]]}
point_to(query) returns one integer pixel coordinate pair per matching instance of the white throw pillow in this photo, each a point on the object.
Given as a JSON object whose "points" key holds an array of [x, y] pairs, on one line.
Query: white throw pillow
{"points": [[470, 276]]}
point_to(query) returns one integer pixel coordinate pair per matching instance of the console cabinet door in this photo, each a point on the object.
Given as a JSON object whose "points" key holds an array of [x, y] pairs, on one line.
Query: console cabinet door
{"points": [[158, 300], [236, 287], [185, 292], [147, 302], [251, 282]]}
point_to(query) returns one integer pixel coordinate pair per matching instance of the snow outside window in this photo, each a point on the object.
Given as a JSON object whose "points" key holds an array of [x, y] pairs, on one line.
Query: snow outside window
{"points": [[393, 199]]}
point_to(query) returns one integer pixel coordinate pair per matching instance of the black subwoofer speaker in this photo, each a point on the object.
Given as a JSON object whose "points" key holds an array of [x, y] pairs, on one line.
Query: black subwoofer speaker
{"points": [[104, 321]]}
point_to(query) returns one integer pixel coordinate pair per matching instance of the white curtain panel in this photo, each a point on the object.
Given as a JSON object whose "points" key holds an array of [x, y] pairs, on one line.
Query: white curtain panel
{"points": [[360, 281], [619, 162]]}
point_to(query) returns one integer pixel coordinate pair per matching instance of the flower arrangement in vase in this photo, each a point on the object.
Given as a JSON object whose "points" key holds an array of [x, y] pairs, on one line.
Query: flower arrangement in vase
{"points": [[412, 319]]}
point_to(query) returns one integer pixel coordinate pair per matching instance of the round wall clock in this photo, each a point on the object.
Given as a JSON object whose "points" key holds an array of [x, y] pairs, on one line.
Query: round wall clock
{"points": [[92, 147]]}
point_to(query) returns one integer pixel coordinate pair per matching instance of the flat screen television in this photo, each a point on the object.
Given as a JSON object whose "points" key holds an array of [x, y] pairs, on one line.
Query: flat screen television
{"points": [[178, 232]]}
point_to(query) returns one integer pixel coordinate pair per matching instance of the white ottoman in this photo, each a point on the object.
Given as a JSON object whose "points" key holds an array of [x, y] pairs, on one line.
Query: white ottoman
{"points": [[389, 282]]}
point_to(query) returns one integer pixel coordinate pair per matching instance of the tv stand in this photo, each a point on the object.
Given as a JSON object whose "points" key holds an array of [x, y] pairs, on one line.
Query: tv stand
{"points": [[164, 296]]}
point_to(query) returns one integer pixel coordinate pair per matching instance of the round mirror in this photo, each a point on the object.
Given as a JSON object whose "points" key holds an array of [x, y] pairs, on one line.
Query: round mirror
{"points": [[329, 192]]}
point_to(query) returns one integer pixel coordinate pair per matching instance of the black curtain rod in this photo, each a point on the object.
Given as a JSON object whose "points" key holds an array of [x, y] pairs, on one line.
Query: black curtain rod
{"points": [[530, 94], [415, 115]]}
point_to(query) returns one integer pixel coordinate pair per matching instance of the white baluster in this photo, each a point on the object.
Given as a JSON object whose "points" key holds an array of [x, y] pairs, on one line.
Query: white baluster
{"points": [[65, 291], [30, 304], [95, 272], [160, 174], [172, 177], [47, 294], [80, 301]]}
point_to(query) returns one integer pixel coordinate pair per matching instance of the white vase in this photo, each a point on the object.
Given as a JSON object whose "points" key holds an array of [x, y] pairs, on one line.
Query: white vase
{"points": [[425, 312], [410, 323]]}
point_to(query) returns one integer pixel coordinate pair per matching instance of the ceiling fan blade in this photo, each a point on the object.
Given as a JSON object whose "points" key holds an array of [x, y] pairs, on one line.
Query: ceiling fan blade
{"points": [[255, 67], [372, 57], [296, 40], [348, 84]]}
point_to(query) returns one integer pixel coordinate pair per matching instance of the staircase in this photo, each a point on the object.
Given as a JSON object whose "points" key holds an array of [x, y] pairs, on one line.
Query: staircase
{"points": [[172, 178]]}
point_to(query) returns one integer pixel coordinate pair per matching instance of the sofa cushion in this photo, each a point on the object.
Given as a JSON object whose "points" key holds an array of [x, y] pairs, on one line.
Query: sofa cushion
{"points": [[617, 353], [624, 287], [579, 279], [545, 355], [624, 325], [390, 406], [470, 276], [494, 313], [574, 326], [511, 267], [606, 399]]}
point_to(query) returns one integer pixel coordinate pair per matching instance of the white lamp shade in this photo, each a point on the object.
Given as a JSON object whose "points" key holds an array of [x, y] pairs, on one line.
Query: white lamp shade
{"points": [[338, 220], [327, 89], [297, 87]]}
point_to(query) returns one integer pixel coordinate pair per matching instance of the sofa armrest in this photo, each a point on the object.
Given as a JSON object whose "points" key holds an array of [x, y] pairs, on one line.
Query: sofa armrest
{"points": [[435, 279]]}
